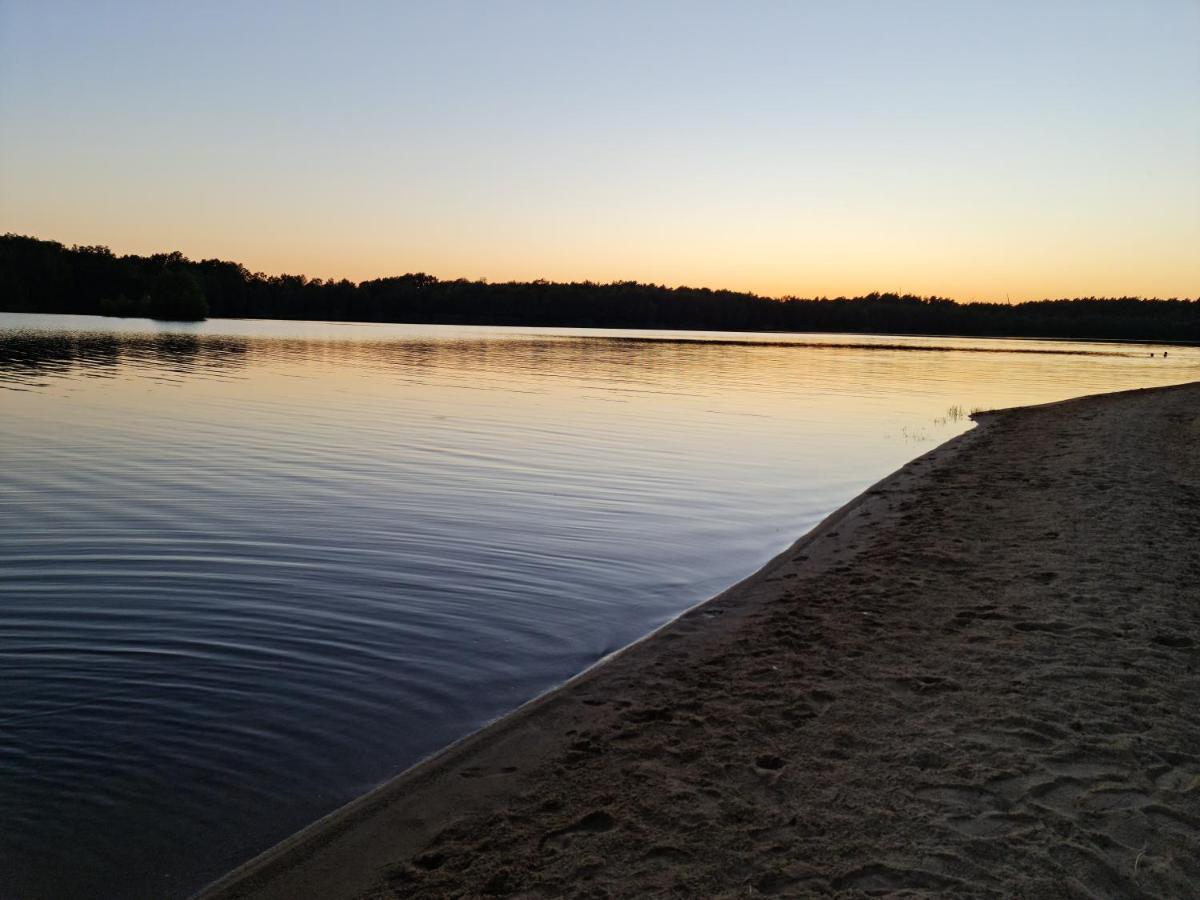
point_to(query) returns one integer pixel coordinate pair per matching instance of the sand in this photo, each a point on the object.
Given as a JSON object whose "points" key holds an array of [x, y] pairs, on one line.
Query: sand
{"points": [[981, 678]]}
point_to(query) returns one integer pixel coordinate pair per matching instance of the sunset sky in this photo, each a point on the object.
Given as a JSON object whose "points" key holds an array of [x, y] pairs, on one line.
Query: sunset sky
{"points": [[974, 150]]}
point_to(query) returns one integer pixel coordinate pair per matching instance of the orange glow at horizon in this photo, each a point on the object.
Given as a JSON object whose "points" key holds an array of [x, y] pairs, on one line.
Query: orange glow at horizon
{"points": [[1021, 151], [830, 271]]}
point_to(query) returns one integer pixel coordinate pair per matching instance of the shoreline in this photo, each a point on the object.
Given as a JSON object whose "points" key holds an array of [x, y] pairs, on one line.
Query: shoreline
{"points": [[622, 779], [325, 828]]}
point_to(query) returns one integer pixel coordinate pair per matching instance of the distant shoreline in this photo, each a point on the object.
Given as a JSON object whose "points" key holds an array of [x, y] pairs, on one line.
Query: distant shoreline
{"points": [[46, 276], [979, 675]]}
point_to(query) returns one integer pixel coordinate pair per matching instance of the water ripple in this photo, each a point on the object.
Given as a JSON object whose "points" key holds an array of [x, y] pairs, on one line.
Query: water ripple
{"points": [[250, 569]]}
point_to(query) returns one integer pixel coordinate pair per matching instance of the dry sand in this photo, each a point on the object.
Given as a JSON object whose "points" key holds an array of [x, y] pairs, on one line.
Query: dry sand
{"points": [[979, 679]]}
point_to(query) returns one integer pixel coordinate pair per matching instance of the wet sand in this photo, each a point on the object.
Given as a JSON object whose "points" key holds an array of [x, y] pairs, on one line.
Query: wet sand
{"points": [[981, 678]]}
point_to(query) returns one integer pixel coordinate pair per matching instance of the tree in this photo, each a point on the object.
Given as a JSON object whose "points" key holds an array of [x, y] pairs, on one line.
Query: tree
{"points": [[176, 294]]}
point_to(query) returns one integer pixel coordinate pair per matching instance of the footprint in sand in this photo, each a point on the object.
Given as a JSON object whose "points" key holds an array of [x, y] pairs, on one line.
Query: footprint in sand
{"points": [[1174, 641], [596, 822], [769, 763]]}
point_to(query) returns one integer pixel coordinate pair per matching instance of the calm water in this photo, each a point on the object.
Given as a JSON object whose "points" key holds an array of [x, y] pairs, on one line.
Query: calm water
{"points": [[250, 569]]}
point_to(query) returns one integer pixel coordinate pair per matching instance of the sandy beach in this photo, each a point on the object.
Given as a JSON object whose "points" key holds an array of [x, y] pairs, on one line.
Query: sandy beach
{"points": [[980, 678]]}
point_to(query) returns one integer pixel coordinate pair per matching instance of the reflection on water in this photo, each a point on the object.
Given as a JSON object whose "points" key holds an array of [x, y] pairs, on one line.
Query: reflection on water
{"points": [[250, 569]]}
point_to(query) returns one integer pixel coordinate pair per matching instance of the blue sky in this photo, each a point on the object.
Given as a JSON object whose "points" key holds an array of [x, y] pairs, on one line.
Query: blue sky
{"points": [[966, 149]]}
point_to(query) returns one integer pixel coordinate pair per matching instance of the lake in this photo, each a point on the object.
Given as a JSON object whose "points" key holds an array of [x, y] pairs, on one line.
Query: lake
{"points": [[250, 569]]}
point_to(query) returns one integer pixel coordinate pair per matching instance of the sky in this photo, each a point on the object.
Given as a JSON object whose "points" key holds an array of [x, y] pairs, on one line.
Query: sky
{"points": [[977, 150]]}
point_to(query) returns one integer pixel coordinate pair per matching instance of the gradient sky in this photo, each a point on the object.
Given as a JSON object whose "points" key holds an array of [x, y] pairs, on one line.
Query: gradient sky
{"points": [[967, 149]]}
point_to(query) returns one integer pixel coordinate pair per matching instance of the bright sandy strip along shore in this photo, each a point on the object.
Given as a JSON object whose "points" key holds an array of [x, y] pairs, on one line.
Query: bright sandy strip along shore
{"points": [[980, 678]]}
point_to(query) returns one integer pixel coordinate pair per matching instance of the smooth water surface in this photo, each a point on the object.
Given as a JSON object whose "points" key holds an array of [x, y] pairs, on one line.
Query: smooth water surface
{"points": [[250, 569]]}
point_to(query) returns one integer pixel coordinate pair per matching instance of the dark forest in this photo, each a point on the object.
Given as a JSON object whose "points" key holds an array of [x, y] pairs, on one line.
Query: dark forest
{"points": [[48, 277]]}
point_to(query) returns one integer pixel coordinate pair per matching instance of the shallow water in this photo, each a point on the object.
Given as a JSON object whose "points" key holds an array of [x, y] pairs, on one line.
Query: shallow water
{"points": [[250, 569]]}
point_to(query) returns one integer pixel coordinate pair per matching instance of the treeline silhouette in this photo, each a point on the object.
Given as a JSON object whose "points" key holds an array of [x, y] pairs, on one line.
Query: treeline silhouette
{"points": [[46, 276]]}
